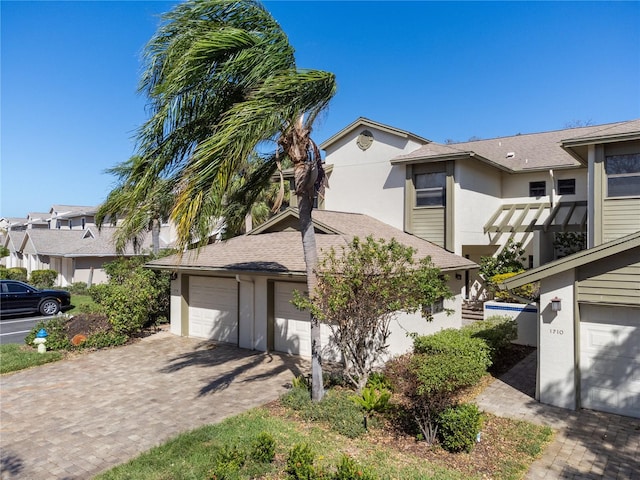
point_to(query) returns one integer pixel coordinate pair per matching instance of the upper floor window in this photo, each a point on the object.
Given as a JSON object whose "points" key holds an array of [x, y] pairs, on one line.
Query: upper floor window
{"points": [[566, 186], [537, 189], [623, 175], [430, 189]]}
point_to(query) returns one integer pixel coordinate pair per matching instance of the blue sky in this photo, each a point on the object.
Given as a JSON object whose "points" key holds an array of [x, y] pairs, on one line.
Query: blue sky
{"points": [[450, 70]]}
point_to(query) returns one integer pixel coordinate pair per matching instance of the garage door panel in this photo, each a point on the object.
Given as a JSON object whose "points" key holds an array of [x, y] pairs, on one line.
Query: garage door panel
{"points": [[213, 309], [610, 360], [292, 332]]}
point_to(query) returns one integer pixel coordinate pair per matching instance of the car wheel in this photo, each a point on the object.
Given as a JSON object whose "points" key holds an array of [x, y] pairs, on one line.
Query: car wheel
{"points": [[49, 307]]}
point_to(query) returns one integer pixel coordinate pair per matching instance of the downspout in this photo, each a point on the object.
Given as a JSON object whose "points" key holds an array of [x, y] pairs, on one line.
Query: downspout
{"points": [[553, 189], [253, 309]]}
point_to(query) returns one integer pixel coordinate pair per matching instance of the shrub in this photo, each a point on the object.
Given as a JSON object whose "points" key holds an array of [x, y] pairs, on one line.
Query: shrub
{"points": [[497, 332], [229, 460], [78, 288], [349, 469], [104, 340], [300, 463], [297, 399], [459, 427], [57, 335], [529, 291], [263, 448], [43, 278], [134, 297], [301, 381], [379, 381], [442, 365], [17, 273], [372, 399], [4, 273], [454, 342], [339, 412]]}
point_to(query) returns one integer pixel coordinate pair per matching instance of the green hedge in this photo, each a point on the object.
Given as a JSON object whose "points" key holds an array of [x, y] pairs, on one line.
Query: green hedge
{"points": [[43, 278]]}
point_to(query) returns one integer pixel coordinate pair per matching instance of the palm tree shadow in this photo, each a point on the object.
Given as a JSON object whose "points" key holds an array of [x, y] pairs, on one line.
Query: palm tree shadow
{"points": [[229, 364], [10, 465]]}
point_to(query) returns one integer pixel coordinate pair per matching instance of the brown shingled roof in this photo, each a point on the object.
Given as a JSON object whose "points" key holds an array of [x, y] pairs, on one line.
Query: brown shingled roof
{"points": [[281, 251], [518, 153]]}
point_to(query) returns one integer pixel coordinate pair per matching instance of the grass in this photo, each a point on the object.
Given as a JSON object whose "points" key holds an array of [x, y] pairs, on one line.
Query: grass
{"points": [[80, 302], [193, 455], [15, 357]]}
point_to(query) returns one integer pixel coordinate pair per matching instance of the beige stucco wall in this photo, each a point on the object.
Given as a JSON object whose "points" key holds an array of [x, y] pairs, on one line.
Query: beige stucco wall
{"points": [[256, 286], [364, 181], [90, 268], [478, 190]]}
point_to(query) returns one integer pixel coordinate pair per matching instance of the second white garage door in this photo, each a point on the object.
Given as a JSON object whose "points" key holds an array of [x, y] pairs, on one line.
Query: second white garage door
{"points": [[292, 332], [610, 359], [213, 309]]}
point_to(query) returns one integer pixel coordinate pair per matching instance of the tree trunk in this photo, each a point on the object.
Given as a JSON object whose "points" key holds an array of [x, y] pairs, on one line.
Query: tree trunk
{"points": [[155, 236], [305, 205]]}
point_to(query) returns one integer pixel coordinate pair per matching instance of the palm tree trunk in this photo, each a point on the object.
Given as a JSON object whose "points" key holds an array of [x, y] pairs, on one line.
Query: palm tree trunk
{"points": [[305, 205], [155, 235]]}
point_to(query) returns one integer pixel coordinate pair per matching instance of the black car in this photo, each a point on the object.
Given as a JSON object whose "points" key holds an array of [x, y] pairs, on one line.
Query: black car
{"points": [[18, 297]]}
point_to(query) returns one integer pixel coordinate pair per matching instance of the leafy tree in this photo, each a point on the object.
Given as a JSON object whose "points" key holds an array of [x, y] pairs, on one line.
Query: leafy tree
{"points": [[133, 210], [223, 87], [509, 260], [4, 251], [361, 288], [568, 243]]}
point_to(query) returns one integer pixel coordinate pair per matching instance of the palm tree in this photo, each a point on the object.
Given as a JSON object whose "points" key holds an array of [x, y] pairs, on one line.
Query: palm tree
{"points": [[133, 210], [224, 87]]}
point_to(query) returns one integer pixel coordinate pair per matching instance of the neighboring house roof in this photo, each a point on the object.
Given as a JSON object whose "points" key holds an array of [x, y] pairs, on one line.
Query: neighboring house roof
{"points": [[14, 240], [276, 247], [578, 259], [75, 243], [365, 122], [518, 153], [617, 132], [13, 222], [65, 211]]}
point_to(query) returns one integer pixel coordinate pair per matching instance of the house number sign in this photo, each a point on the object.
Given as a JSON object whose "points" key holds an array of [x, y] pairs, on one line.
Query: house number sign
{"points": [[555, 331]]}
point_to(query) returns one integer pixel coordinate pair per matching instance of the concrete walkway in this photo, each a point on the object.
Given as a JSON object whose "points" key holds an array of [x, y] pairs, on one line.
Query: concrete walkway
{"points": [[73, 419], [587, 444]]}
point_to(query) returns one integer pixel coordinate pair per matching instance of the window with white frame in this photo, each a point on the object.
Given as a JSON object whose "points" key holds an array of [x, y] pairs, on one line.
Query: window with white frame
{"points": [[430, 189], [623, 175]]}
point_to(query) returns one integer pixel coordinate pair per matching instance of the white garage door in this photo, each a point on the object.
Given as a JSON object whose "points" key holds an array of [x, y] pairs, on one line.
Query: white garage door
{"points": [[213, 309], [610, 359], [292, 332]]}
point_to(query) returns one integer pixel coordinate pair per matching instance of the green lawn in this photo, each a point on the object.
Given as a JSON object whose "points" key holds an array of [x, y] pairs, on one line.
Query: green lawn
{"points": [[14, 357], [205, 453], [80, 302]]}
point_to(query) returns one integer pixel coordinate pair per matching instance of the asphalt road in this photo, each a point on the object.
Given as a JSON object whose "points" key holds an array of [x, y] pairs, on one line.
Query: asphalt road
{"points": [[13, 328]]}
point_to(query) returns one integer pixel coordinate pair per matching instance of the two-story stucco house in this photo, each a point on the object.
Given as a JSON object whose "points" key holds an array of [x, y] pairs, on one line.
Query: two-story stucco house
{"points": [[589, 323], [466, 200]]}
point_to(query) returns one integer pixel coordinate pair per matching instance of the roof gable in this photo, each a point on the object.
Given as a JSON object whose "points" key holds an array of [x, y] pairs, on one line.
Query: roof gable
{"points": [[270, 249], [365, 122]]}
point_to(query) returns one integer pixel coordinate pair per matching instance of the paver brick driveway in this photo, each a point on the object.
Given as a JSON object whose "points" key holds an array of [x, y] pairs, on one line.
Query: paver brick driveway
{"points": [[76, 418]]}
